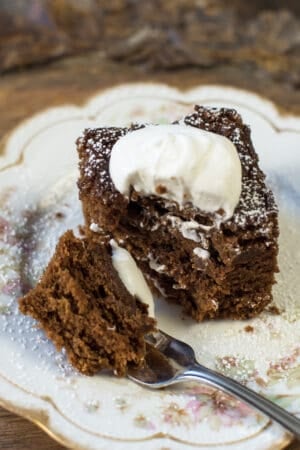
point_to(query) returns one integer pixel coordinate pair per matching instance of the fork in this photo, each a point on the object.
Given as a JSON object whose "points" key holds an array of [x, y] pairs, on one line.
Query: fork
{"points": [[169, 361]]}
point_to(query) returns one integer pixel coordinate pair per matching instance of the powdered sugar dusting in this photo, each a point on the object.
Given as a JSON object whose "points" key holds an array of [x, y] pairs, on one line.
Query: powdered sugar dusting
{"points": [[27, 242], [257, 206], [94, 148]]}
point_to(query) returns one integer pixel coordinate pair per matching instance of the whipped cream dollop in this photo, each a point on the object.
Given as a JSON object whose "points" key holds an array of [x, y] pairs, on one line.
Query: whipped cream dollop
{"points": [[131, 276], [181, 163]]}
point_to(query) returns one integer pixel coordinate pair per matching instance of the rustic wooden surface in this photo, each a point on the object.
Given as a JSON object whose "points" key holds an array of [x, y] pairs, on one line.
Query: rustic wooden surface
{"points": [[263, 63], [73, 80], [261, 35], [19, 434]]}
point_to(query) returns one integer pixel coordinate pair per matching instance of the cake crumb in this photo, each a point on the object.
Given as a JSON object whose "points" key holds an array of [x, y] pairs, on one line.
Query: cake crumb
{"points": [[161, 189], [273, 309], [249, 329]]}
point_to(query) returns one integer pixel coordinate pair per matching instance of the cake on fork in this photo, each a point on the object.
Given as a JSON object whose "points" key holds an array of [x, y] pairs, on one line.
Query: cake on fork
{"points": [[93, 301], [190, 203]]}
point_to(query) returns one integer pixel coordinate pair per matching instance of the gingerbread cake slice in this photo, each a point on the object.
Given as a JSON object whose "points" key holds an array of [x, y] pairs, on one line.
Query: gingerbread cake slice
{"points": [[190, 203], [83, 306]]}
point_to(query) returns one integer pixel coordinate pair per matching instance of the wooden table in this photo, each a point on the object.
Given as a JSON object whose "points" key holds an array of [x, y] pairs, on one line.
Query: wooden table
{"points": [[73, 80], [19, 434]]}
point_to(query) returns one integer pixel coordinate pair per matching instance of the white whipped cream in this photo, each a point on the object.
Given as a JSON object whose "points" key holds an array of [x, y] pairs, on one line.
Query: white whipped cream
{"points": [[154, 265], [201, 253], [131, 276], [95, 228], [181, 163], [188, 229]]}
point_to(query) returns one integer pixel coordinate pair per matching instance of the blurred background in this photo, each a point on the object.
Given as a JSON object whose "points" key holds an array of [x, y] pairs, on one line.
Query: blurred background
{"points": [[60, 51], [155, 34]]}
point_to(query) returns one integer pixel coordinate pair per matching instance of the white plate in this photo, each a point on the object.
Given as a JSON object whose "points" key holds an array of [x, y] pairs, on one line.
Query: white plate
{"points": [[38, 172]]}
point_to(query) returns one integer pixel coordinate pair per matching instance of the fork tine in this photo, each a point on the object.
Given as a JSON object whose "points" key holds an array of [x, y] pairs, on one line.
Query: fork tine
{"points": [[179, 351], [156, 368], [166, 357]]}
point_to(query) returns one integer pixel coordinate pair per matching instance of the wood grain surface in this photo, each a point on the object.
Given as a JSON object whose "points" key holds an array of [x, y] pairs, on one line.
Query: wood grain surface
{"points": [[73, 80], [19, 434]]}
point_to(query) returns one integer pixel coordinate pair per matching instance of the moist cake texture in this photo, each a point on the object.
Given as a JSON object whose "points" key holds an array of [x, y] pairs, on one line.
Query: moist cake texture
{"points": [[211, 267], [83, 306]]}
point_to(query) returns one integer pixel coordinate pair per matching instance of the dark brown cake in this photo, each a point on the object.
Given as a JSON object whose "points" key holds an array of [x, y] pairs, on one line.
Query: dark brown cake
{"points": [[212, 269], [83, 306]]}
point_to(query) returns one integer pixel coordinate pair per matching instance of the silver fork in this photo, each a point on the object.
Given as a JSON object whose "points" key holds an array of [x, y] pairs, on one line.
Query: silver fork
{"points": [[170, 361]]}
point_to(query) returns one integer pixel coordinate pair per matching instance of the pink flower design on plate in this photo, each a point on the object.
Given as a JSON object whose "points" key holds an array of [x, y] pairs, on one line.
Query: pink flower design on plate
{"points": [[12, 287]]}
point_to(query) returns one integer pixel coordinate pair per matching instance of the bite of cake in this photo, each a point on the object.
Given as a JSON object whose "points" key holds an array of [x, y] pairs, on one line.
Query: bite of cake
{"points": [[190, 203], [93, 301]]}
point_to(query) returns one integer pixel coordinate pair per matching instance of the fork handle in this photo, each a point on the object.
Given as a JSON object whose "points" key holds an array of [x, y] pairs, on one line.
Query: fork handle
{"points": [[270, 409]]}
